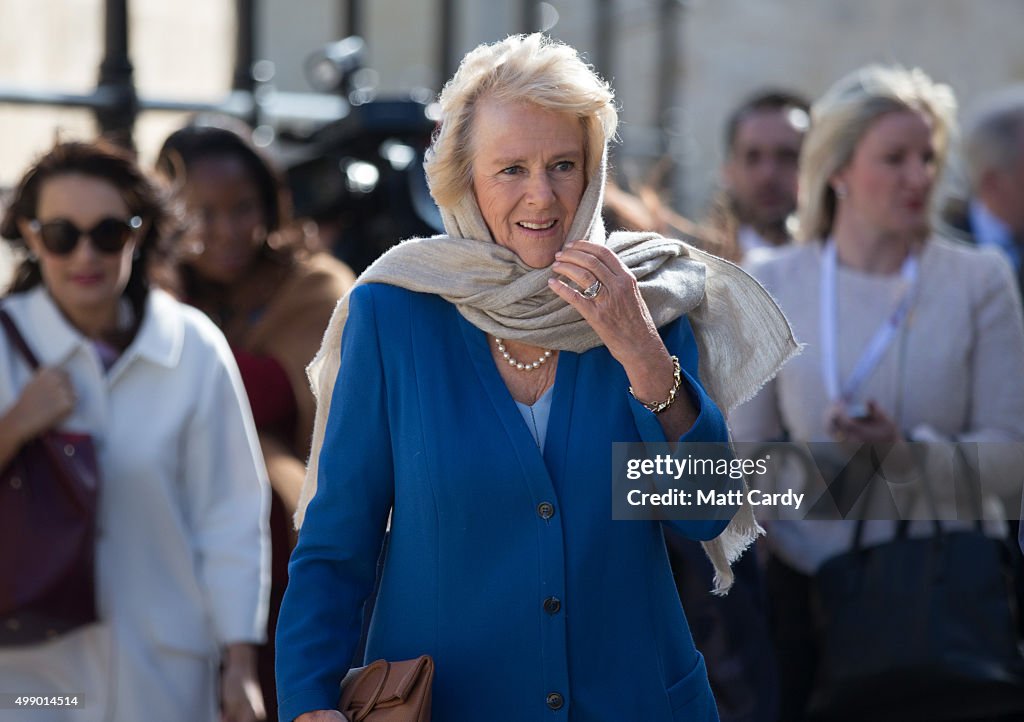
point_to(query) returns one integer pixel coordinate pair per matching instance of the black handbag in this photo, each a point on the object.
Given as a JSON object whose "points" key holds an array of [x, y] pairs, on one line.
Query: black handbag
{"points": [[918, 629], [48, 504]]}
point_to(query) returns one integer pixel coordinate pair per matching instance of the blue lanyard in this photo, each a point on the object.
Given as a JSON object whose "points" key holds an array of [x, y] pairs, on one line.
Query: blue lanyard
{"points": [[878, 344]]}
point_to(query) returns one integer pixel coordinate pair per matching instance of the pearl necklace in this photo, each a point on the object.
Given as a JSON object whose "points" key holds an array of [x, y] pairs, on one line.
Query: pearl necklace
{"points": [[519, 364]]}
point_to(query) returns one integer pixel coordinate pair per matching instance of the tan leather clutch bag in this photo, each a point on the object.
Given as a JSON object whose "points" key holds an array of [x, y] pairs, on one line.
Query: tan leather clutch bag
{"points": [[389, 691]]}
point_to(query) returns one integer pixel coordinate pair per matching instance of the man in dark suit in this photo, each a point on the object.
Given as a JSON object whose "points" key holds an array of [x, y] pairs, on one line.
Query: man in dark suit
{"points": [[994, 156]]}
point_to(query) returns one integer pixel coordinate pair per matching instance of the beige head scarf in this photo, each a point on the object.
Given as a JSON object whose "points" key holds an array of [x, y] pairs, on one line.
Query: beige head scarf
{"points": [[742, 336]]}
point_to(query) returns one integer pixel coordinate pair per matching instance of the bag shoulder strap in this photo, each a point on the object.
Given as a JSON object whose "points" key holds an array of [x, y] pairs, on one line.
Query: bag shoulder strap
{"points": [[15, 337]]}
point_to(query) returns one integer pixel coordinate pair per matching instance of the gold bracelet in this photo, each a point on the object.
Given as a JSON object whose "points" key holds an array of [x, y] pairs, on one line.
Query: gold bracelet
{"points": [[676, 383]]}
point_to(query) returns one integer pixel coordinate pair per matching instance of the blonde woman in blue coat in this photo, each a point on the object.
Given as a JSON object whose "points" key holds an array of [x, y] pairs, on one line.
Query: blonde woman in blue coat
{"points": [[472, 385]]}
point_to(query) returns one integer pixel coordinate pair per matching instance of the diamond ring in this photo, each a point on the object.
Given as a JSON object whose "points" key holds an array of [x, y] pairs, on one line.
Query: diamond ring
{"points": [[592, 290]]}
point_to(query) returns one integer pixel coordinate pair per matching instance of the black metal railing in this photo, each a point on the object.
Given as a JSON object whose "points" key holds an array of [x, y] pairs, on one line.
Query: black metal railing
{"points": [[115, 101]]}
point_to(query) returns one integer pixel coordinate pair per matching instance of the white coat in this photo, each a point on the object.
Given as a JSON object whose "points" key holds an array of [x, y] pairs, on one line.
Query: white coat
{"points": [[182, 551]]}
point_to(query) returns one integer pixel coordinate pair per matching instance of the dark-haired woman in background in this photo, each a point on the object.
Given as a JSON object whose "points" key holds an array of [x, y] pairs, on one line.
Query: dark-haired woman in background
{"points": [[246, 267], [180, 561]]}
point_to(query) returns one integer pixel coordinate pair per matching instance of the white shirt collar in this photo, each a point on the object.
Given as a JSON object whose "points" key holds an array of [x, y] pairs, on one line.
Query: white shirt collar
{"points": [[749, 239], [54, 340]]}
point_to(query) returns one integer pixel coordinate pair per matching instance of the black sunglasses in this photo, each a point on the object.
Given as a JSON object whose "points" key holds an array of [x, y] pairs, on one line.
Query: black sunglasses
{"points": [[110, 235]]}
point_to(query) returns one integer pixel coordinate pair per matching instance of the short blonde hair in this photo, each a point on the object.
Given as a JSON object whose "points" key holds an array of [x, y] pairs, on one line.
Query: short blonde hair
{"points": [[521, 68], [841, 118]]}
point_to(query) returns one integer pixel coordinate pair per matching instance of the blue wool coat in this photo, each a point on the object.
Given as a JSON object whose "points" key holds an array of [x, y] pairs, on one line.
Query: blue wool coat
{"points": [[503, 564]]}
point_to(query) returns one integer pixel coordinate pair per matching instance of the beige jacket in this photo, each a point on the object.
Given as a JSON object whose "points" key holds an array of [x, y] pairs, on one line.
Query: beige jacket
{"points": [[955, 372]]}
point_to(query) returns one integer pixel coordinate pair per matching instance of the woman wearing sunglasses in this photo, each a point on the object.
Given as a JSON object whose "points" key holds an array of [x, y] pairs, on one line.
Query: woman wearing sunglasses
{"points": [[181, 551]]}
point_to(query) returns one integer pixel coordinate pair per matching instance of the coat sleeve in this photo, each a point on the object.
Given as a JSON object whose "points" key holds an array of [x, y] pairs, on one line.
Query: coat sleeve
{"points": [[995, 424], [708, 428], [333, 567], [228, 499], [997, 382]]}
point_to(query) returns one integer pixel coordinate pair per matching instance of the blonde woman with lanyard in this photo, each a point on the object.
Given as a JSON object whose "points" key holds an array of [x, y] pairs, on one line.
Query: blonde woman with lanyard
{"points": [[908, 336]]}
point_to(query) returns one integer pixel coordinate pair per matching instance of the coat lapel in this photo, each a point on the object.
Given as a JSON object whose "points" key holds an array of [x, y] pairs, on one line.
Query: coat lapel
{"points": [[536, 468]]}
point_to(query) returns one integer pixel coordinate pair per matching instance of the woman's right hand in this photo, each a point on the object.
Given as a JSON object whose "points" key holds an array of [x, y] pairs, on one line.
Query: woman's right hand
{"points": [[322, 715], [46, 400]]}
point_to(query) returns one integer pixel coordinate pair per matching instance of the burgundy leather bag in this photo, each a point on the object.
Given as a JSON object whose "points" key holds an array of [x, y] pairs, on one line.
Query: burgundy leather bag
{"points": [[48, 503]]}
